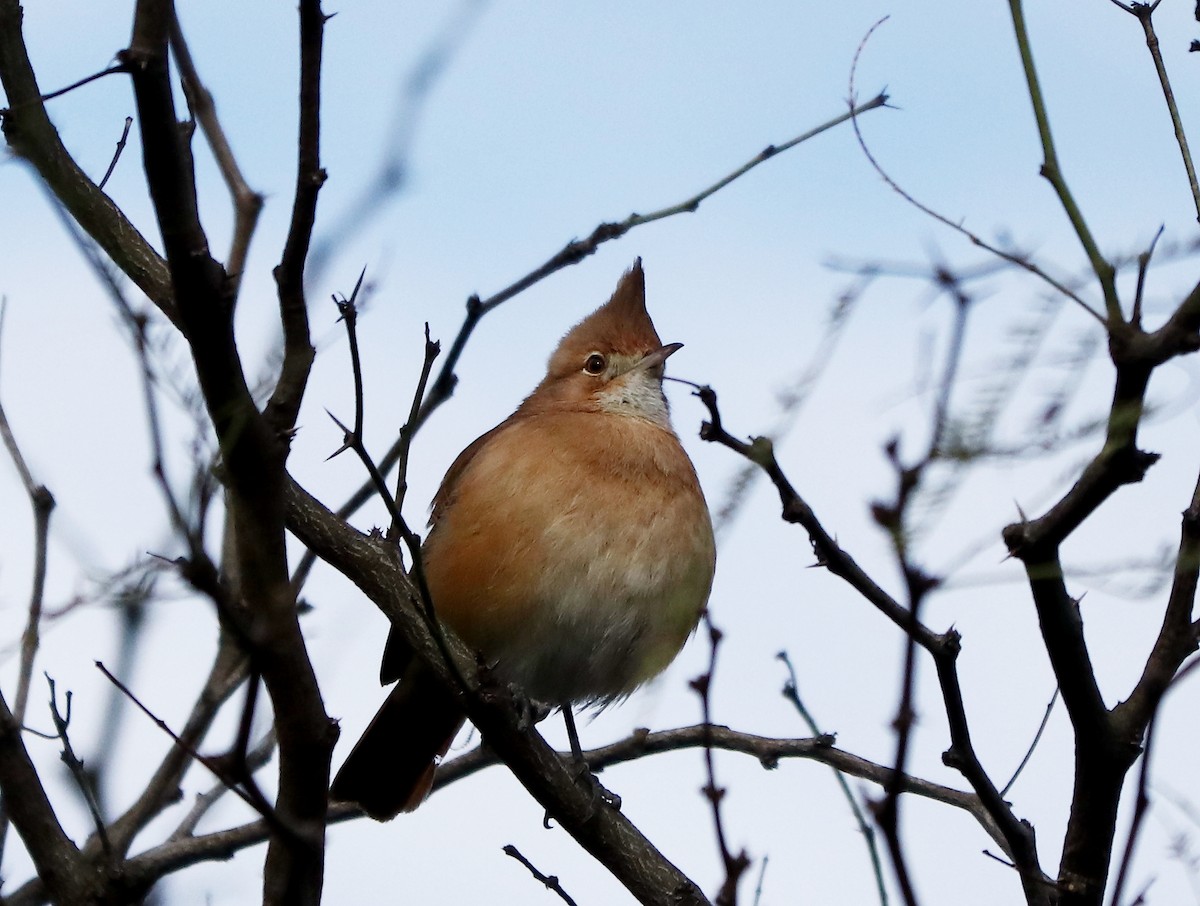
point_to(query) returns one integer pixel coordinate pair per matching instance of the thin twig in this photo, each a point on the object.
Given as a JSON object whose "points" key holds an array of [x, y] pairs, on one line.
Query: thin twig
{"points": [[550, 881], [1143, 262], [1140, 808], [578, 249], [61, 724], [791, 691], [214, 765], [348, 313], [255, 759], [391, 174], [1051, 170], [791, 403], [42, 503], [971, 236], [112, 165], [1037, 737], [352, 439], [762, 873], [432, 349], [112, 70], [1144, 12], [735, 865], [247, 204]]}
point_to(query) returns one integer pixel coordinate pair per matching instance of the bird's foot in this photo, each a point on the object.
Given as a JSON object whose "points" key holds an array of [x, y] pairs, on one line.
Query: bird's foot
{"points": [[583, 776], [532, 712], [591, 783]]}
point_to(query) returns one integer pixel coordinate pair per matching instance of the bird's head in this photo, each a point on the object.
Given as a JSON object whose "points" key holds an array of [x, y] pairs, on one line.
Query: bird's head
{"points": [[611, 361]]}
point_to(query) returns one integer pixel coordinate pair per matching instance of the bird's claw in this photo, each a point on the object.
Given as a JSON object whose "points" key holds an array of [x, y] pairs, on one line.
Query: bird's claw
{"points": [[585, 778]]}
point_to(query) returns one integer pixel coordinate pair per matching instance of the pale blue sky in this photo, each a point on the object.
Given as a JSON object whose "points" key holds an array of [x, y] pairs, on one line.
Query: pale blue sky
{"points": [[550, 119]]}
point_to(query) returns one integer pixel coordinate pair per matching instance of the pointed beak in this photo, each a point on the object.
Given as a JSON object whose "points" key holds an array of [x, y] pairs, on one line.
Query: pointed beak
{"points": [[656, 358]]}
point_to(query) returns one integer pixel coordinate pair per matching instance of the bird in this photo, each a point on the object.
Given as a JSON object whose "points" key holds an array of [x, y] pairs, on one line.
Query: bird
{"points": [[570, 546]]}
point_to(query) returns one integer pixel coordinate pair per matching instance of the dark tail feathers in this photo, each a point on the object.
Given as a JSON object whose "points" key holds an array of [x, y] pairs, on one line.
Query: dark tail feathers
{"points": [[390, 769]]}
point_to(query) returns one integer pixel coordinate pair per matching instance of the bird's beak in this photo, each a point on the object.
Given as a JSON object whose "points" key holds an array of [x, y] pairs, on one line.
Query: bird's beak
{"points": [[656, 358]]}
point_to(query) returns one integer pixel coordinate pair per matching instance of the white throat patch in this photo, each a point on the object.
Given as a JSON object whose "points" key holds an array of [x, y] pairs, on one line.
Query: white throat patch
{"points": [[636, 393]]}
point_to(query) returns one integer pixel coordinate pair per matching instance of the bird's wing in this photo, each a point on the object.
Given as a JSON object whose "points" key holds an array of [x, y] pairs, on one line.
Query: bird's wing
{"points": [[458, 468]]}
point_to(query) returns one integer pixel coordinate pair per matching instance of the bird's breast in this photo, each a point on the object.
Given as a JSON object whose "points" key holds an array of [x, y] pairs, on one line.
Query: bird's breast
{"points": [[576, 552]]}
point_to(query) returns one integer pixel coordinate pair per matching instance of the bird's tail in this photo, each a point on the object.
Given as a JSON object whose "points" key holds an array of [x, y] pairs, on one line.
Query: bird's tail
{"points": [[390, 769]]}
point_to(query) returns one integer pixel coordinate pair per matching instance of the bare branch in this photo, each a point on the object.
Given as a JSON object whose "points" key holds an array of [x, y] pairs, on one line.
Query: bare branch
{"points": [[1177, 638], [289, 273], [578, 249], [769, 751], [247, 204], [1051, 170], [829, 553], [42, 503]]}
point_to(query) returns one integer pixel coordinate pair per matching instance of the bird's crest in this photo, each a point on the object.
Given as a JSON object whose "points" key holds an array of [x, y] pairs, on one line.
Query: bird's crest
{"points": [[619, 325]]}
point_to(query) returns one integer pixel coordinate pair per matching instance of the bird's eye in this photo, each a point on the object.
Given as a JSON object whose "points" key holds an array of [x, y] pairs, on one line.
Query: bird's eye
{"points": [[595, 363]]}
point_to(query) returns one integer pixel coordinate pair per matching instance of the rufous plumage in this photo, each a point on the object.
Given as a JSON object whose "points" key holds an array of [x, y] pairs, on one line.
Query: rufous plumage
{"points": [[570, 545]]}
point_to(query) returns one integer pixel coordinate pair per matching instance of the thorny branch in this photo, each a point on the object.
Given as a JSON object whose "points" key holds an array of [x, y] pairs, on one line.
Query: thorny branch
{"points": [[1017, 835], [352, 439], [735, 864]]}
